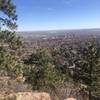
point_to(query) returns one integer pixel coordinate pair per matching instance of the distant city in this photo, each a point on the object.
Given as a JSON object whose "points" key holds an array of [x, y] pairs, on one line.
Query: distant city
{"points": [[54, 34]]}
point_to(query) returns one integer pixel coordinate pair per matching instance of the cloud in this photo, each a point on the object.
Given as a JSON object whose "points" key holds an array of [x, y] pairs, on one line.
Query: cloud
{"points": [[49, 9], [67, 2]]}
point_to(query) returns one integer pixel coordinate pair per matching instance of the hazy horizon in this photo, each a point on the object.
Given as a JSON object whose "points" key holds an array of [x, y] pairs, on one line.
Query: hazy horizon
{"points": [[58, 29]]}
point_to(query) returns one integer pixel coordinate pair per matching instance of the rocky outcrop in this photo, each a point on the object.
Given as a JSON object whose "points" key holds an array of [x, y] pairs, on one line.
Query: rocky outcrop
{"points": [[71, 99], [27, 96]]}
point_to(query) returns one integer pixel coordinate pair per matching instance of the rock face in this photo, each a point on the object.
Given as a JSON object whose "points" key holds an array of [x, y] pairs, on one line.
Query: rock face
{"points": [[28, 96], [71, 99]]}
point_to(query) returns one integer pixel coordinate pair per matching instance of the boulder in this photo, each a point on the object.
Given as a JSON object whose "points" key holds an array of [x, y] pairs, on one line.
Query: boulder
{"points": [[71, 99]]}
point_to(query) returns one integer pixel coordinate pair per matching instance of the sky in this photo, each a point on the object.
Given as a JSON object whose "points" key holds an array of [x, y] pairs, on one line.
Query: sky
{"points": [[57, 14]]}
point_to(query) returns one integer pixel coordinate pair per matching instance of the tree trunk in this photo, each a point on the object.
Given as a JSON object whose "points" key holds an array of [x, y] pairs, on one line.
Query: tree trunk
{"points": [[90, 95]]}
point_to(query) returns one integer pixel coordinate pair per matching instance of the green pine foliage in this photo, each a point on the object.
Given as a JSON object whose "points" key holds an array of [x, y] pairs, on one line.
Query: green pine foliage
{"points": [[9, 42], [9, 9], [9, 65], [87, 67], [41, 73], [83, 66]]}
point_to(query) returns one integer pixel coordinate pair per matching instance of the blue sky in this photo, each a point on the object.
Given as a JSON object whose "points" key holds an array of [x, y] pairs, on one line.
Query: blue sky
{"points": [[57, 14]]}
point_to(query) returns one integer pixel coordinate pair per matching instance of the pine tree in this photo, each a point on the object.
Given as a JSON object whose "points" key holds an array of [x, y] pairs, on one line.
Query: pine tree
{"points": [[8, 25], [41, 72], [8, 9], [87, 67], [9, 64]]}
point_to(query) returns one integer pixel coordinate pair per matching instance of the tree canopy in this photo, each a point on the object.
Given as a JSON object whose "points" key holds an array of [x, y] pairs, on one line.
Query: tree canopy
{"points": [[8, 10]]}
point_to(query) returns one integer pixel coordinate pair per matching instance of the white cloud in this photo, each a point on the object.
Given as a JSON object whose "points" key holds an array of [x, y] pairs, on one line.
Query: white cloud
{"points": [[66, 1], [49, 9], [69, 1]]}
